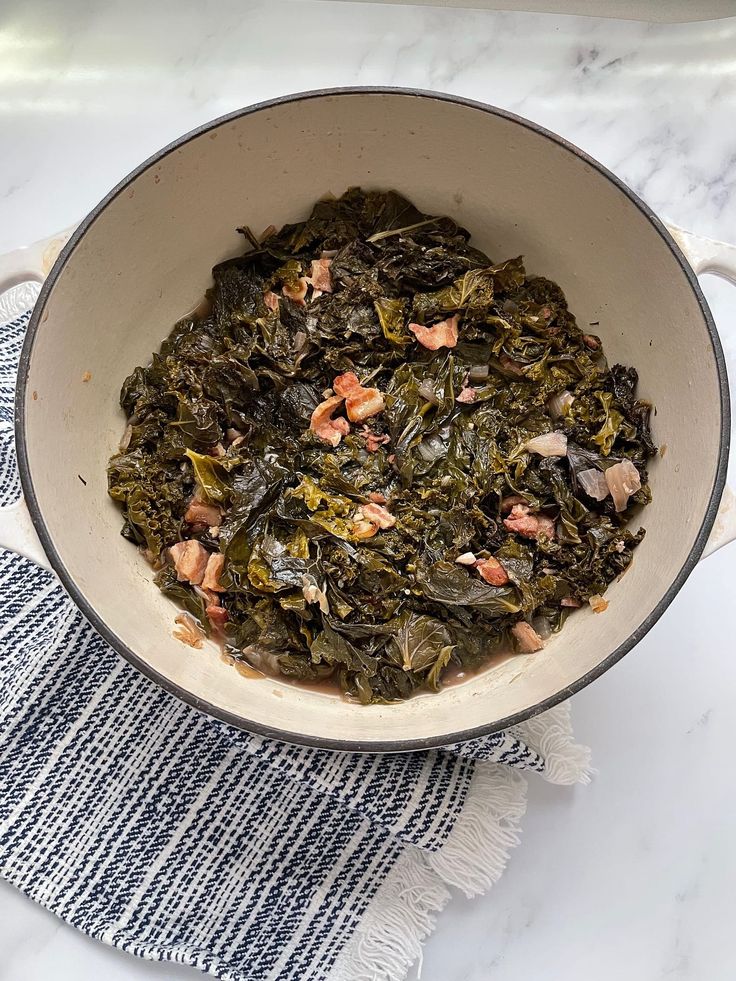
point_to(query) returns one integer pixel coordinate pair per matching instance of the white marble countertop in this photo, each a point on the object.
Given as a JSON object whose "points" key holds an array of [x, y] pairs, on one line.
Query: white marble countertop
{"points": [[632, 876]]}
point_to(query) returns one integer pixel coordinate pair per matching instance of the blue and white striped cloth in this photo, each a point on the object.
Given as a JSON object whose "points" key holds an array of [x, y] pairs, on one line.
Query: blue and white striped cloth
{"points": [[172, 836]]}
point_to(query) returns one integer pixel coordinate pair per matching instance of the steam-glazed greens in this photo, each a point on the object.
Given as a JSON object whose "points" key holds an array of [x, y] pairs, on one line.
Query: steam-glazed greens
{"points": [[380, 455]]}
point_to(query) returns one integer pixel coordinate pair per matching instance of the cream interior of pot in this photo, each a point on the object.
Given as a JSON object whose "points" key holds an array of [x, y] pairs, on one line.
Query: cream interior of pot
{"points": [[145, 260]]}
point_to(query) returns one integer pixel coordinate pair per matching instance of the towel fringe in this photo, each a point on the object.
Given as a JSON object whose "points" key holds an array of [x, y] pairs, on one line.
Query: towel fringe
{"points": [[403, 911], [550, 734]]}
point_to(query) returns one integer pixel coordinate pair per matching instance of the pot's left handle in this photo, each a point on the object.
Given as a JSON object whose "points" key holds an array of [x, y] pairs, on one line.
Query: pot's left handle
{"points": [[706, 255], [27, 265]]}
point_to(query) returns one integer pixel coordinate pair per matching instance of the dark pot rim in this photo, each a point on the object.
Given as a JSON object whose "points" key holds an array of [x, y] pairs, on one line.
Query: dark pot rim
{"points": [[326, 742]]}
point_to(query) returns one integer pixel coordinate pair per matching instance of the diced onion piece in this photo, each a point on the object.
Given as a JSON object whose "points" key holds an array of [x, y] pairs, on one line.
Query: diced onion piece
{"points": [[467, 558], [549, 444], [478, 373], [313, 594], [188, 631], [623, 480], [594, 483], [426, 390], [559, 404]]}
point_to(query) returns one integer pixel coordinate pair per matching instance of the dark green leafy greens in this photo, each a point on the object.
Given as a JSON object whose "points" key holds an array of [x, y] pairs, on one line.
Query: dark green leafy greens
{"points": [[338, 541]]}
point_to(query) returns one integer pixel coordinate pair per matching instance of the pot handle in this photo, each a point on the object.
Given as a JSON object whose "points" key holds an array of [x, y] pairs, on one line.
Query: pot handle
{"points": [[706, 255], [30, 264]]}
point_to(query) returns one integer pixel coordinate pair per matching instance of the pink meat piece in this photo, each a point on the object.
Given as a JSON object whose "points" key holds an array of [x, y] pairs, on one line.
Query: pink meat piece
{"points": [[211, 579], [271, 300], [346, 384], [360, 403], [320, 277], [373, 441], [571, 602], [378, 515], [200, 513], [364, 404], [527, 639], [324, 426], [492, 571], [190, 561], [467, 396], [377, 497], [217, 615], [523, 522], [442, 334]]}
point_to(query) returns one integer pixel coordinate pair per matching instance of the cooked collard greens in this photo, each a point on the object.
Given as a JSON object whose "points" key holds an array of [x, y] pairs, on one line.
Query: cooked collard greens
{"points": [[379, 457]]}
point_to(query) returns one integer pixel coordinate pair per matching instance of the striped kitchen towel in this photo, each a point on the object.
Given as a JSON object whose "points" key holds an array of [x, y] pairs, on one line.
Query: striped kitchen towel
{"points": [[154, 828]]}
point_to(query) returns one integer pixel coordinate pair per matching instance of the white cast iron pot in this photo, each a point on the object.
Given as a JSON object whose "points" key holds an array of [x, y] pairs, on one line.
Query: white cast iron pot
{"points": [[141, 259]]}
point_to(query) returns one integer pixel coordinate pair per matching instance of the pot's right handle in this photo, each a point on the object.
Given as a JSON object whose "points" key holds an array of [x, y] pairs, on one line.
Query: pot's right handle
{"points": [[706, 255]]}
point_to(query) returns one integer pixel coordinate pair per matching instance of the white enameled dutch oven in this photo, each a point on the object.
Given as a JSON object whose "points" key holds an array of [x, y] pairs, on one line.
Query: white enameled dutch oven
{"points": [[141, 259]]}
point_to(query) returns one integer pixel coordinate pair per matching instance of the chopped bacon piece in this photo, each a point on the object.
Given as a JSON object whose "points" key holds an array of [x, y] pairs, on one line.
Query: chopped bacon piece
{"points": [[190, 561], [360, 402], [320, 278], [215, 565], [571, 602], [200, 513], [591, 342], [364, 529], [364, 404], [271, 300], [369, 518], [492, 571], [217, 615], [378, 515], [523, 522], [377, 497], [443, 334], [372, 440], [328, 429], [527, 639], [188, 631], [346, 384], [467, 396], [296, 293]]}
